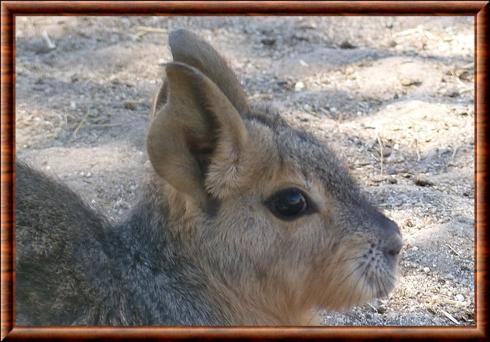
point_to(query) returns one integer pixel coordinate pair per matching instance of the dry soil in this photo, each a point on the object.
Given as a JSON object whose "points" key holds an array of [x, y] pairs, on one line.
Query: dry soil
{"points": [[393, 95]]}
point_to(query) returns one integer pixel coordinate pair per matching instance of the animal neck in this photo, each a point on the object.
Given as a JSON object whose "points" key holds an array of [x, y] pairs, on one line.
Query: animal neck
{"points": [[256, 305], [170, 239], [162, 281]]}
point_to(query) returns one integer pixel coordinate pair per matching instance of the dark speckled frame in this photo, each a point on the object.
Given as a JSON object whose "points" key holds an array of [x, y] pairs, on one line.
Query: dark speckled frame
{"points": [[11, 9]]}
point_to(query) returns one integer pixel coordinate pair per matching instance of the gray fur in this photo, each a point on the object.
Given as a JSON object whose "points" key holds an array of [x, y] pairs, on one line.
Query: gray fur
{"points": [[74, 268], [200, 247]]}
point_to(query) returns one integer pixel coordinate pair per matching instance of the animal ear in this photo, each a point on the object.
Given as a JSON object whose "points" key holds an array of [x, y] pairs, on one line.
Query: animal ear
{"points": [[188, 48], [196, 120]]}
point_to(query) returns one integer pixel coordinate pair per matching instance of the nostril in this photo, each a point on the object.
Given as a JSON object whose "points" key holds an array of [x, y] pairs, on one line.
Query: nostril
{"points": [[393, 246], [389, 236], [393, 252]]}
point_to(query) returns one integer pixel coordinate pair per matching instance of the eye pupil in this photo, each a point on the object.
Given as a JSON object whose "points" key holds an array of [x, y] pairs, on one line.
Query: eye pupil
{"points": [[288, 204]]}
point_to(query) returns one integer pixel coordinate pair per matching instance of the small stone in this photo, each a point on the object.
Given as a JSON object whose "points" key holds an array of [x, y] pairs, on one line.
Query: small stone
{"points": [[130, 105], [73, 105], [114, 80], [299, 86], [308, 26], [407, 82], [426, 270], [392, 180], [386, 151], [421, 180], [381, 309], [303, 63], [465, 76], [300, 37], [409, 223], [459, 298], [347, 45], [268, 41], [284, 84]]}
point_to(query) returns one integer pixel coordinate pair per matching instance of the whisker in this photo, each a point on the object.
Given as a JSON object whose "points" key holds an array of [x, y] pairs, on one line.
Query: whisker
{"points": [[351, 258], [348, 275], [381, 285], [363, 283], [338, 287]]}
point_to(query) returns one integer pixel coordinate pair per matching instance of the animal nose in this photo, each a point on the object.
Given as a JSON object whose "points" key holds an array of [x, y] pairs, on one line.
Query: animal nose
{"points": [[390, 227], [393, 239], [394, 246]]}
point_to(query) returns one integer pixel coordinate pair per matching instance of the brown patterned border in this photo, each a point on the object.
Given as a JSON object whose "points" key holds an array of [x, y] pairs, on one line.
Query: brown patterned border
{"points": [[10, 9]]}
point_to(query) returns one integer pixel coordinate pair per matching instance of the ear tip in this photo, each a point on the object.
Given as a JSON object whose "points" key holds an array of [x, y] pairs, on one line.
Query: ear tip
{"points": [[176, 71], [179, 36]]}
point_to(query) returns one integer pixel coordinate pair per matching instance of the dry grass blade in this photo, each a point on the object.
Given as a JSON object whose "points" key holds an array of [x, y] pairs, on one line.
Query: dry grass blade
{"points": [[381, 157], [453, 250], [80, 125], [48, 41], [451, 318], [148, 29]]}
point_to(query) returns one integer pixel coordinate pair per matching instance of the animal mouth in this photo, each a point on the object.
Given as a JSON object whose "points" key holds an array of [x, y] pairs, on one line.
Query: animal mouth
{"points": [[383, 276], [383, 284], [369, 278]]}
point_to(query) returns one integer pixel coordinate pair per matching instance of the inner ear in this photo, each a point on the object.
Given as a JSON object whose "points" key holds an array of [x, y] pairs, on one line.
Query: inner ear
{"points": [[203, 149], [196, 120]]}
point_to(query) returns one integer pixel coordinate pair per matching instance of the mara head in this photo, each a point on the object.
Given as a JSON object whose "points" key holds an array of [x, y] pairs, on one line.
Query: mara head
{"points": [[268, 210]]}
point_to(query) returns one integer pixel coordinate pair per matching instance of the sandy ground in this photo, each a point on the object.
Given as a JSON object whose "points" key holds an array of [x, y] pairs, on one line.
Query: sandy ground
{"points": [[393, 95]]}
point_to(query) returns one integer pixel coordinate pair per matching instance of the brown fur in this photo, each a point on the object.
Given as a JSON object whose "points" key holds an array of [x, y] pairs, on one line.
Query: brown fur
{"points": [[280, 271], [203, 246]]}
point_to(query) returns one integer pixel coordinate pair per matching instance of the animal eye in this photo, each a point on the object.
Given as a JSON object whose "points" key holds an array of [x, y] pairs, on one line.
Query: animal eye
{"points": [[288, 204]]}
